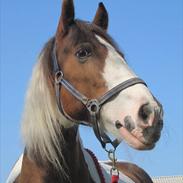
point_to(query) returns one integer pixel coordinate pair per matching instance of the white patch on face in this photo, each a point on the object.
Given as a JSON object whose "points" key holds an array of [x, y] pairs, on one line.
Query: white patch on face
{"points": [[116, 70], [129, 100]]}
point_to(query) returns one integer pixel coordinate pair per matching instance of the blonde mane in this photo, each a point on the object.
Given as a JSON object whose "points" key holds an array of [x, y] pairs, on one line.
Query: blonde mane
{"points": [[41, 122]]}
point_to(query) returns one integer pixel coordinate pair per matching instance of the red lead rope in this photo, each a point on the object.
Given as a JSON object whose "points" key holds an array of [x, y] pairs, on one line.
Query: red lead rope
{"points": [[114, 178]]}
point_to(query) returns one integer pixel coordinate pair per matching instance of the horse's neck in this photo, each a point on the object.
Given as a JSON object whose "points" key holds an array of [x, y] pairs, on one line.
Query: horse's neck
{"points": [[76, 170]]}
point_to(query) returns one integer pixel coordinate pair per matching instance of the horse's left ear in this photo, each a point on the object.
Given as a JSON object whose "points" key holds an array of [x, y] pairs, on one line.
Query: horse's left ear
{"points": [[101, 17], [67, 16]]}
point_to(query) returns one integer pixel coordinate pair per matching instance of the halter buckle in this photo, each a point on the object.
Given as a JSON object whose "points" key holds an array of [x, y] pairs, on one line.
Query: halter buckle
{"points": [[58, 77]]}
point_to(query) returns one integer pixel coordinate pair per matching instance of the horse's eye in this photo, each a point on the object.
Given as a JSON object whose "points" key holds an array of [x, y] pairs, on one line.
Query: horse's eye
{"points": [[83, 53]]}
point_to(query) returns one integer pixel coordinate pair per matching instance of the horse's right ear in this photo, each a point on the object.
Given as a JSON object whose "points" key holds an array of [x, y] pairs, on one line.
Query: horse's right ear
{"points": [[67, 17]]}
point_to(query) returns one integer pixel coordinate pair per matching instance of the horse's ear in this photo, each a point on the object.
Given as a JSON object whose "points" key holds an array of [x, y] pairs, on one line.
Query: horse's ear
{"points": [[67, 16], [101, 17]]}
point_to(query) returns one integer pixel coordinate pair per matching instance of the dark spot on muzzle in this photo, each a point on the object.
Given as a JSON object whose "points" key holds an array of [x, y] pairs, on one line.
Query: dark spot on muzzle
{"points": [[118, 124], [129, 124]]}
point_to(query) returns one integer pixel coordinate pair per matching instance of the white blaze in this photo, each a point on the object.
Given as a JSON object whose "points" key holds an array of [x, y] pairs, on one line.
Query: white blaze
{"points": [[129, 100], [116, 70]]}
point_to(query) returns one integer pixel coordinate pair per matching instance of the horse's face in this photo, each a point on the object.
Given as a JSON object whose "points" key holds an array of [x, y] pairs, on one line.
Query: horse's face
{"points": [[93, 65]]}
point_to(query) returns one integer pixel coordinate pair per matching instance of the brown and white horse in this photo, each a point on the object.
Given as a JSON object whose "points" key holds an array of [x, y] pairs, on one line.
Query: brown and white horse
{"points": [[80, 63]]}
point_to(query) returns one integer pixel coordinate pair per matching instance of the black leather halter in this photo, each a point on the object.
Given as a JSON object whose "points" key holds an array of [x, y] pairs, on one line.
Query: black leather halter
{"points": [[92, 105]]}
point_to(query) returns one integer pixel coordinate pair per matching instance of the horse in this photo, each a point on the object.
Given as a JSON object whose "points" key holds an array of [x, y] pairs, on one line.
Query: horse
{"points": [[82, 78]]}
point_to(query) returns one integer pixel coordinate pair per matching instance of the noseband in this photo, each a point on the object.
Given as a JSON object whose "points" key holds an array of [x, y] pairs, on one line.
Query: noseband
{"points": [[92, 105]]}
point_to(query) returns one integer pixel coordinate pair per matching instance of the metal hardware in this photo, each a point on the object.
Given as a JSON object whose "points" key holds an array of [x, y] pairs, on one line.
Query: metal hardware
{"points": [[113, 159], [93, 106], [58, 77]]}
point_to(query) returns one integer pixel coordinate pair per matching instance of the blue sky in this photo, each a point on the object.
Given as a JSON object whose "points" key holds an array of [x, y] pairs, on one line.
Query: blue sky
{"points": [[150, 33]]}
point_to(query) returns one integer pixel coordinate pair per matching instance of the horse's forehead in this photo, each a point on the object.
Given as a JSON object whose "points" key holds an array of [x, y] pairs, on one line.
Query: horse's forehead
{"points": [[81, 33], [79, 36]]}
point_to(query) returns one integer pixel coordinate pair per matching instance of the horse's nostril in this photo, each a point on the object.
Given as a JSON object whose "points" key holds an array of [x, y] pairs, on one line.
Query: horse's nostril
{"points": [[145, 111]]}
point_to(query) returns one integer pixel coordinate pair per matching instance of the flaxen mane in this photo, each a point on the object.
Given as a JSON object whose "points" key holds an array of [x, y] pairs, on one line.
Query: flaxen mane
{"points": [[42, 122]]}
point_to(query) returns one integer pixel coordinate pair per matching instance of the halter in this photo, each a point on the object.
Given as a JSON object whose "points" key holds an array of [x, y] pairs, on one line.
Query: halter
{"points": [[92, 105]]}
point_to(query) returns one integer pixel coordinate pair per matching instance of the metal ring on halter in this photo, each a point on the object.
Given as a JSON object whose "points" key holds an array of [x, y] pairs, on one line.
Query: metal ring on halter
{"points": [[111, 148], [93, 106], [58, 77]]}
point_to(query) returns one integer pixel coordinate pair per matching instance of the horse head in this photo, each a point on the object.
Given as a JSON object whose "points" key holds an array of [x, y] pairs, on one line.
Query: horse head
{"points": [[93, 65]]}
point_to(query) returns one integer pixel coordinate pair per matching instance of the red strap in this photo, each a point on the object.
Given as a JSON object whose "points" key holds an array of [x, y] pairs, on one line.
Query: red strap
{"points": [[114, 178]]}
